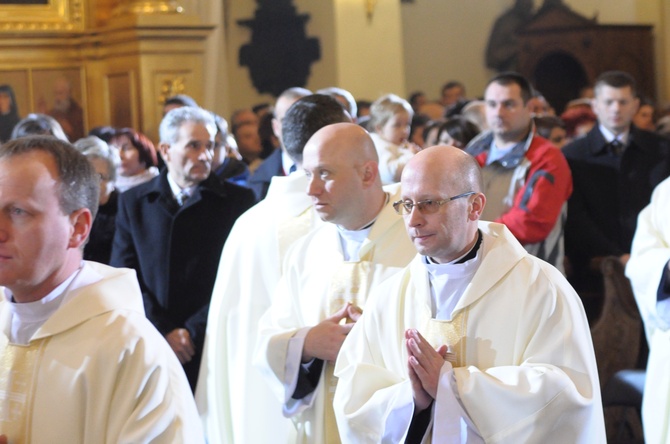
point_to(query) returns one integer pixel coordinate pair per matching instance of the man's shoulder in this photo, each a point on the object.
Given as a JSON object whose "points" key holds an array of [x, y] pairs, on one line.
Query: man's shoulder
{"points": [[650, 141], [271, 166], [581, 147], [542, 150], [231, 192], [141, 190], [481, 143]]}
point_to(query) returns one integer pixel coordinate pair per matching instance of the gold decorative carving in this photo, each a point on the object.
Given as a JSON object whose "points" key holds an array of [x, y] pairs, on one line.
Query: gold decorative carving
{"points": [[139, 7], [171, 87], [56, 15]]}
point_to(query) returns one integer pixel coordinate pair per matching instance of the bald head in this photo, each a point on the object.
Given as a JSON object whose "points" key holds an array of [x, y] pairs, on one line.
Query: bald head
{"points": [[452, 166], [349, 139], [342, 165], [439, 173]]}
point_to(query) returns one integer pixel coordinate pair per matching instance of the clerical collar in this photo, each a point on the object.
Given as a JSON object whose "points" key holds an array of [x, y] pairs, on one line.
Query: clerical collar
{"points": [[28, 317], [466, 257], [369, 224]]}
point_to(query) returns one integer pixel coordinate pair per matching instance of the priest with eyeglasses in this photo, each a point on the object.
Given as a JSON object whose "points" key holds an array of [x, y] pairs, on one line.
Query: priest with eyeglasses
{"points": [[475, 340]]}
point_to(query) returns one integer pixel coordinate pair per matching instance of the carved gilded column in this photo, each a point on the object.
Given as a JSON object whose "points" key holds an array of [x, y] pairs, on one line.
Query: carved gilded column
{"points": [[147, 51]]}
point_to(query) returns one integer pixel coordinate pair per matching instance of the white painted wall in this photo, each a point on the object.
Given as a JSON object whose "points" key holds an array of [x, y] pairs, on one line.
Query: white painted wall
{"points": [[405, 47]]}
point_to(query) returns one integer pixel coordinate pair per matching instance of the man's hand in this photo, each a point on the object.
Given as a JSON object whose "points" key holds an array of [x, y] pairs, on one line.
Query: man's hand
{"points": [[324, 340], [425, 362], [3, 439], [180, 342], [422, 399]]}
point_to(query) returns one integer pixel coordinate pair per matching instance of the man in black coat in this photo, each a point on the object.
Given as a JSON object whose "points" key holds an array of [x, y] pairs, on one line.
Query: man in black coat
{"points": [[615, 168], [171, 231]]}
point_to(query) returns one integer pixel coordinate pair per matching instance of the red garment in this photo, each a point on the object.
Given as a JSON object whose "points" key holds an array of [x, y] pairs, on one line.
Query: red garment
{"points": [[538, 203]]}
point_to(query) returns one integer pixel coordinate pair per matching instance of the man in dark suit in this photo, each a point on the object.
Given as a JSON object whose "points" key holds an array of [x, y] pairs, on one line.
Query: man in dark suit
{"points": [[171, 231], [278, 163], [615, 168]]}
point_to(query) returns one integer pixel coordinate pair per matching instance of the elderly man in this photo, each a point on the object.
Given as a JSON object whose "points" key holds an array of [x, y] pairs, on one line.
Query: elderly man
{"points": [[231, 394], [649, 273], [476, 340], [327, 275], [526, 179], [172, 229], [80, 362]]}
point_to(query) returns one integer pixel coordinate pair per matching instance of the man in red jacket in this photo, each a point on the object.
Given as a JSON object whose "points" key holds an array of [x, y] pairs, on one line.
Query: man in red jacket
{"points": [[526, 179]]}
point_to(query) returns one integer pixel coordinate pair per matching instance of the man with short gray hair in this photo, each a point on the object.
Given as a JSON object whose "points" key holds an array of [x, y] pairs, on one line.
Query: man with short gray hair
{"points": [[172, 229]]}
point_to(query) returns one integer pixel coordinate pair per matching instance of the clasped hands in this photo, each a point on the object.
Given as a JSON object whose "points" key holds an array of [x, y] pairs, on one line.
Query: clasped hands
{"points": [[324, 340], [424, 364]]}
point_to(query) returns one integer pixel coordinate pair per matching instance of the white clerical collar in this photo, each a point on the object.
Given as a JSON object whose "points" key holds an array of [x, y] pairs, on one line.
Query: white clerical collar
{"points": [[177, 190], [449, 281], [469, 255], [352, 240], [610, 136], [28, 317]]}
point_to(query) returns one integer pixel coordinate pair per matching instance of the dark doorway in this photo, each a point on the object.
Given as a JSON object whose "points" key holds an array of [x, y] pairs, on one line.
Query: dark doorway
{"points": [[559, 77]]}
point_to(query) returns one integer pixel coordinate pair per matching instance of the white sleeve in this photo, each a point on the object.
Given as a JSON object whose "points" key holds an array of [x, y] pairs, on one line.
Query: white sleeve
{"points": [[451, 423], [294, 362]]}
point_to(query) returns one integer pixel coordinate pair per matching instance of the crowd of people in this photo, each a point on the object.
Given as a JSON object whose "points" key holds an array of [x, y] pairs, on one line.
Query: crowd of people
{"points": [[375, 271]]}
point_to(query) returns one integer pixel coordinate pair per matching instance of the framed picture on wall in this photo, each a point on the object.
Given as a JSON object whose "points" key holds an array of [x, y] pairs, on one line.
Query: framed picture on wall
{"points": [[59, 93], [17, 81], [41, 15], [14, 100]]}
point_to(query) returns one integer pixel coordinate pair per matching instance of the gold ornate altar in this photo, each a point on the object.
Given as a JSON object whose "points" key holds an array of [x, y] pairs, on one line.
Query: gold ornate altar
{"points": [[121, 58]]}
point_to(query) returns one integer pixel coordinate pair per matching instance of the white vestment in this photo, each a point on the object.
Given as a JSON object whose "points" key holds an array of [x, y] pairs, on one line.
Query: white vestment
{"points": [[314, 285], [234, 401], [650, 253], [524, 371], [96, 371]]}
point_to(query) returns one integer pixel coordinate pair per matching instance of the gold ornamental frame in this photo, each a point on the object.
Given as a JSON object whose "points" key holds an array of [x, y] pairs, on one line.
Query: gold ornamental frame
{"points": [[55, 15]]}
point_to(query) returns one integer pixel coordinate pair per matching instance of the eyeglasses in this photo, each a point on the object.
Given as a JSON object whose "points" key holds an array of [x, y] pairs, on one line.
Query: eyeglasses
{"points": [[428, 206]]}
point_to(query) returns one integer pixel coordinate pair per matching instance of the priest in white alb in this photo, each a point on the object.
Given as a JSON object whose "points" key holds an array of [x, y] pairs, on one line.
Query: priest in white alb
{"points": [[79, 360], [231, 394], [476, 340], [649, 272], [327, 276]]}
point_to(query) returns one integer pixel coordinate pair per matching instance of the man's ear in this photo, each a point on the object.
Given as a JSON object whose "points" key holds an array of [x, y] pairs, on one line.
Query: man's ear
{"points": [[276, 127], [370, 172], [477, 206], [81, 221], [164, 150]]}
